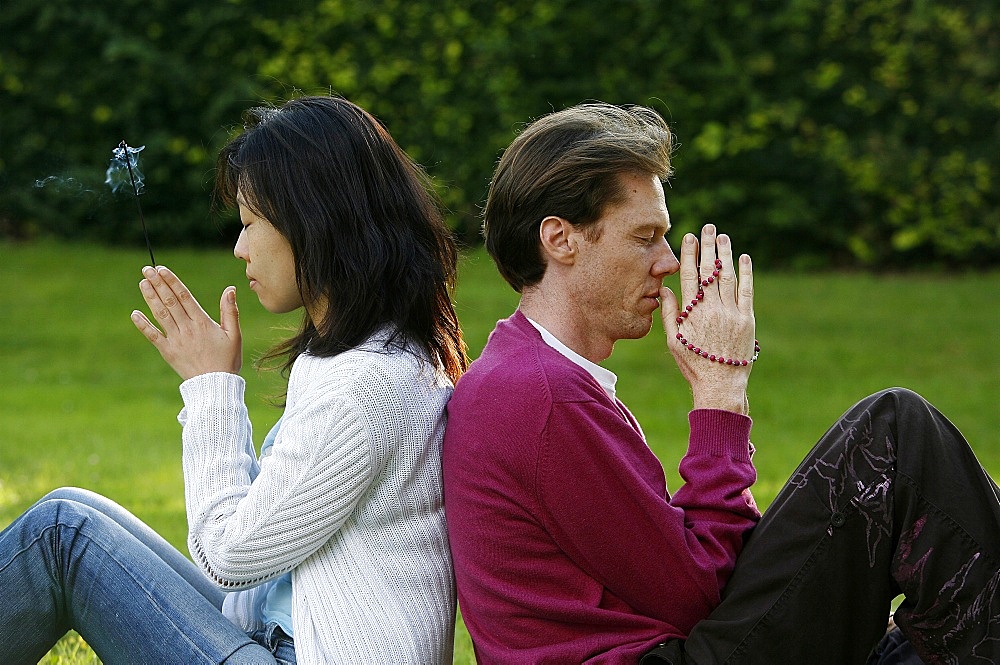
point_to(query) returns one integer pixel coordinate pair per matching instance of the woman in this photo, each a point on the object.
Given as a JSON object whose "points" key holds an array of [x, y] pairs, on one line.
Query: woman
{"points": [[332, 546]]}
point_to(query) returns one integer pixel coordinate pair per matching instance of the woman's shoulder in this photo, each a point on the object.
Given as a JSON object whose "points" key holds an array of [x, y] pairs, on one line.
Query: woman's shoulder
{"points": [[389, 389], [380, 364]]}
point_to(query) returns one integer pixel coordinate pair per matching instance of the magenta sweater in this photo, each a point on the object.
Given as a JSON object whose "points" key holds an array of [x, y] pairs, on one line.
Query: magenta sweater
{"points": [[567, 546]]}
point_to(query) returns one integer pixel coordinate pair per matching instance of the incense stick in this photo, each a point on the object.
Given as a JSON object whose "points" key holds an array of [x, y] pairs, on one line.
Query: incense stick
{"points": [[135, 189], [126, 153]]}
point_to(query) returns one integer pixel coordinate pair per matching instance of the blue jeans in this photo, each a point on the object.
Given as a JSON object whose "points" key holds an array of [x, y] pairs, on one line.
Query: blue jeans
{"points": [[277, 642], [76, 560]]}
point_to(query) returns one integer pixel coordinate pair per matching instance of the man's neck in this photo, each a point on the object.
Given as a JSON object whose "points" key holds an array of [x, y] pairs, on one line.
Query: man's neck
{"points": [[605, 377], [556, 316]]}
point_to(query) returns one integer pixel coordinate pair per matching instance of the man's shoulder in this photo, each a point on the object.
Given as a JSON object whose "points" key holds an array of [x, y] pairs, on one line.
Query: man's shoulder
{"points": [[508, 365], [518, 365]]}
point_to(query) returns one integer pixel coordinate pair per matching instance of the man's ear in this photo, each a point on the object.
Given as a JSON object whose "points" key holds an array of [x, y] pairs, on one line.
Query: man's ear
{"points": [[557, 238]]}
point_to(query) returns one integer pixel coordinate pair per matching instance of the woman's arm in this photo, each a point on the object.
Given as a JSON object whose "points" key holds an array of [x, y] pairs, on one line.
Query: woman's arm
{"points": [[243, 532]]}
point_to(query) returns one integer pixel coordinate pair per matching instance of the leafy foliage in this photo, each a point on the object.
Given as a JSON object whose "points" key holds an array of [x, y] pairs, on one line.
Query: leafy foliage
{"points": [[77, 79], [816, 132]]}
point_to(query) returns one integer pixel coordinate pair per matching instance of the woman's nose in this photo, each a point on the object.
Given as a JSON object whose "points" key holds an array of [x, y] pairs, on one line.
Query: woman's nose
{"points": [[240, 250]]}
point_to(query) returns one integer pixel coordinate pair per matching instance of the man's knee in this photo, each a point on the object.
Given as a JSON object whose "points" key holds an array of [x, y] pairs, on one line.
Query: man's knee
{"points": [[895, 403], [902, 397]]}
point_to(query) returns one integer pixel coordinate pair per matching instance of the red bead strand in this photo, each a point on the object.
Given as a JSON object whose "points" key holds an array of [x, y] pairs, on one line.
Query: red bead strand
{"points": [[735, 362]]}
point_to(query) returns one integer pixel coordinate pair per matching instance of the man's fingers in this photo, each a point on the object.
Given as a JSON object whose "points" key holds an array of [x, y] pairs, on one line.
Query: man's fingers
{"points": [[668, 311], [708, 255], [745, 298], [727, 273], [689, 267]]}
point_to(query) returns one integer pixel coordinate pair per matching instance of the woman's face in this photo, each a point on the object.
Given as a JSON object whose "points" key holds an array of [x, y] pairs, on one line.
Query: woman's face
{"points": [[270, 262]]}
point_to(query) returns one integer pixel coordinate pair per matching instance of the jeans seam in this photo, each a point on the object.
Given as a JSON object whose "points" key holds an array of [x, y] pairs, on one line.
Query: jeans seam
{"points": [[109, 553]]}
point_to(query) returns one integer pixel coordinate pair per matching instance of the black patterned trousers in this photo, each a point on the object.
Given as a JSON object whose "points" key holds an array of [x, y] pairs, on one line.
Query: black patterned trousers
{"points": [[891, 501]]}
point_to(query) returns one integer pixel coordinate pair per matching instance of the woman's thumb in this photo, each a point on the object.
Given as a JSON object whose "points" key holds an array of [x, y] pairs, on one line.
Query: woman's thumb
{"points": [[229, 313]]}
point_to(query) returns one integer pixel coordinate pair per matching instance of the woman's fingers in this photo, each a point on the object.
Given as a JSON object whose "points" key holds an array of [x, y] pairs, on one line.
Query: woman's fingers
{"points": [[181, 293], [161, 304], [169, 300], [149, 331], [189, 339], [229, 313]]}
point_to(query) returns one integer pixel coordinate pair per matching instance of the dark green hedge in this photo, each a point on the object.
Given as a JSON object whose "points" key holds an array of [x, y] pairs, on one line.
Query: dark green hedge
{"points": [[817, 132]]}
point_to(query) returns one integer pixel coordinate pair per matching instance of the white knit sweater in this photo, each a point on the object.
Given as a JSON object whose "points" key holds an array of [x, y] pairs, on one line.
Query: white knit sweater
{"points": [[349, 499]]}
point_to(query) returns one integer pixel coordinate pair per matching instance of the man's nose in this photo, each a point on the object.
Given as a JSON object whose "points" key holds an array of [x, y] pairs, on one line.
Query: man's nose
{"points": [[666, 263]]}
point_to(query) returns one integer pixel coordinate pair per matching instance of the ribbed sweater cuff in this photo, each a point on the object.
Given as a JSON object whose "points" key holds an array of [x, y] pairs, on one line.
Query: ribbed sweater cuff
{"points": [[207, 390], [720, 433]]}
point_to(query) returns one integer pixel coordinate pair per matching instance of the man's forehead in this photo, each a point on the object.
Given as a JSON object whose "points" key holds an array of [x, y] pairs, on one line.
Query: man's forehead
{"points": [[643, 204]]}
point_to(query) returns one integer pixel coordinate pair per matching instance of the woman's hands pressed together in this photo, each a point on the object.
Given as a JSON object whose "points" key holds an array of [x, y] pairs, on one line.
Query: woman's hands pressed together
{"points": [[189, 339], [722, 323]]}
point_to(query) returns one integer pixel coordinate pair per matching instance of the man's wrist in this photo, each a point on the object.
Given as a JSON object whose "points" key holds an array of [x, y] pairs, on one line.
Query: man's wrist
{"points": [[725, 398]]}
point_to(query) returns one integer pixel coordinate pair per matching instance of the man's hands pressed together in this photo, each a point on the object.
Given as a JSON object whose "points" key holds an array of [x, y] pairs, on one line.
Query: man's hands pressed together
{"points": [[722, 323]]}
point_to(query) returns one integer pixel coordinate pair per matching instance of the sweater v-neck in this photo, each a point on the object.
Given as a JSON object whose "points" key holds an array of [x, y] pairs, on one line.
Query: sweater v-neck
{"points": [[605, 377]]}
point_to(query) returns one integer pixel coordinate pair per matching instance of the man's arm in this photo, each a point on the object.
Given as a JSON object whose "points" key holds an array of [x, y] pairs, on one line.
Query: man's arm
{"points": [[605, 503]]}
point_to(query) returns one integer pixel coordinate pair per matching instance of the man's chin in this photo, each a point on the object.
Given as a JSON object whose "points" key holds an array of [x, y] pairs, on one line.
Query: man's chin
{"points": [[640, 329]]}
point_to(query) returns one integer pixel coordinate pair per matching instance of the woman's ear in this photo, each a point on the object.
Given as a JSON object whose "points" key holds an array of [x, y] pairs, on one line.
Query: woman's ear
{"points": [[558, 240]]}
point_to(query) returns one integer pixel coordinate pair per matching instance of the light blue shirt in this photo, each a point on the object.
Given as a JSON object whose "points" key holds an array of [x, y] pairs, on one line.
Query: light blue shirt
{"points": [[277, 607]]}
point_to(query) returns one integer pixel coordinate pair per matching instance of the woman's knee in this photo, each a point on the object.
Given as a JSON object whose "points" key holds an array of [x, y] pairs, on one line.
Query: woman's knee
{"points": [[91, 500], [77, 494], [55, 509], [70, 504]]}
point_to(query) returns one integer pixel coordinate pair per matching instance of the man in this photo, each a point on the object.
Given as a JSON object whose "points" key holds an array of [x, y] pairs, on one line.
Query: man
{"points": [[568, 547]]}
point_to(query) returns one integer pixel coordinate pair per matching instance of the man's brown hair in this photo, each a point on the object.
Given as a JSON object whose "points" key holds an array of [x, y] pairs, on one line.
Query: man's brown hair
{"points": [[567, 164]]}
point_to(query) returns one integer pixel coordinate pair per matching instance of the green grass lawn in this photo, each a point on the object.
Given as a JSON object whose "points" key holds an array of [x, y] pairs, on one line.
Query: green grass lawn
{"points": [[85, 400]]}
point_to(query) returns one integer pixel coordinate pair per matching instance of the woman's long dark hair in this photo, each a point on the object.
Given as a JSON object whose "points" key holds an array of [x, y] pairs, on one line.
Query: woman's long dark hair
{"points": [[366, 232]]}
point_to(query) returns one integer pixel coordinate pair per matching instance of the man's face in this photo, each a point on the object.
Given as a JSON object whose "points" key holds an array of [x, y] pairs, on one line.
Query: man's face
{"points": [[618, 275]]}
